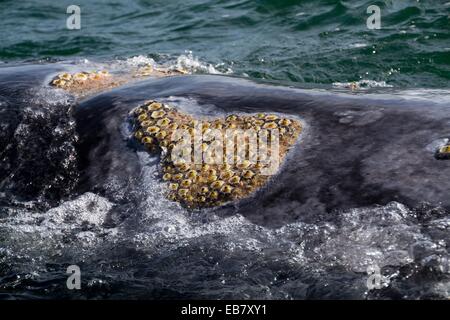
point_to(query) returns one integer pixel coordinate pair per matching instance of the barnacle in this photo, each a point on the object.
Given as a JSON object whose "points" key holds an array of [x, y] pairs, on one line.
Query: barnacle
{"points": [[445, 149], [147, 140], [177, 177], [173, 186], [234, 180], [142, 117], [144, 71], [204, 147], [186, 183], [227, 174], [65, 76], [258, 123], [138, 111], [154, 106], [258, 166], [204, 190], [226, 189], [217, 184], [225, 166], [161, 134], [270, 125], [153, 129], [138, 135], [271, 117], [244, 164], [183, 192], [59, 83], [80, 76], [248, 174], [231, 125], [285, 122], [94, 76], [443, 153], [163, 122], [183, 167], [168, 169], [200, 180], [172, 197], [211, 178], [158, 114], [146, 123], [192, 174], [214, 194]]}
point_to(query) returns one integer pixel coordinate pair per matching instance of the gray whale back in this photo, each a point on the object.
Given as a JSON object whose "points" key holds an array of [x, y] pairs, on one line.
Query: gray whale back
{"points": [[75, 189], [356, 151]]}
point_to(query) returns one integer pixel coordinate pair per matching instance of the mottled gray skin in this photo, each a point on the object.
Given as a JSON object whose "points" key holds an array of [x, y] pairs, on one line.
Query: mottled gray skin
{"points": [[355, 151]]}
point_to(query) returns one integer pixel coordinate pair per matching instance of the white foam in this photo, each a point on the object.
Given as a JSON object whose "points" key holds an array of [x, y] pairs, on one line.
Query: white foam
{"points": [[191, 106], [88, 208], [139, 61], [358, 45], [188, 62], [362, 84]]}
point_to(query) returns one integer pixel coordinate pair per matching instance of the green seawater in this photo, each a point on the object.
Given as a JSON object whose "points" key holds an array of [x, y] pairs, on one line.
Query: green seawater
{"points": [[314, 42]]}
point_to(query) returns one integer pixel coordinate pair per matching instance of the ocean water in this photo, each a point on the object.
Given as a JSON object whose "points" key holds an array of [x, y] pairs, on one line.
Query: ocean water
{"points": [[319, 42], [131, 242]]}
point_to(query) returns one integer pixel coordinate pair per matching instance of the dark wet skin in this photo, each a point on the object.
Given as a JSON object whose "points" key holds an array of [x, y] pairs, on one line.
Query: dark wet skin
{"points": [[354, 152]]}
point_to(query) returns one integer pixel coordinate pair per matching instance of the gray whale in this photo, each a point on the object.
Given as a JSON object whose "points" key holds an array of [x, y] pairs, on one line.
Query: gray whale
{"points": [[356, 151], [75, 189]]}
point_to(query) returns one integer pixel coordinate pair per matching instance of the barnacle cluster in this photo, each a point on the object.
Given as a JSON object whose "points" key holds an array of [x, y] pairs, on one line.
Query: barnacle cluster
{"points": [[65, 80], [213, 180], [83, 83], [150, 70], [443, 153]]}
